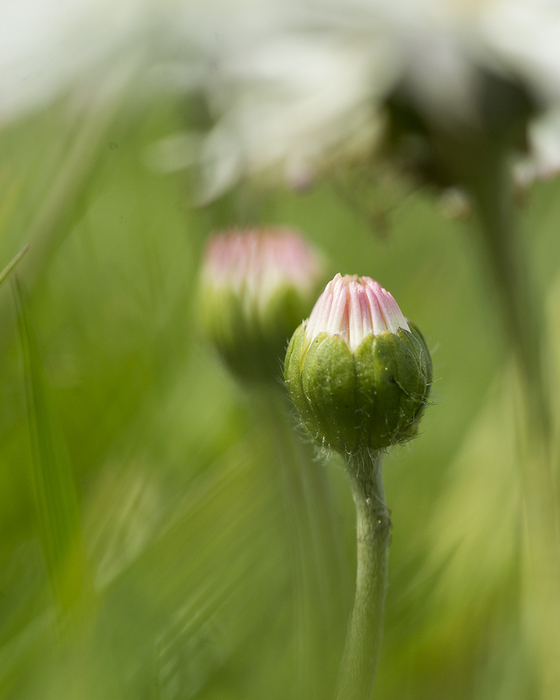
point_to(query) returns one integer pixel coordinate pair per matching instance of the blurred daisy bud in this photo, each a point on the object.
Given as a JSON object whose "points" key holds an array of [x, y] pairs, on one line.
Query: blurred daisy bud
{"points": [[257, 286], [357, 371]]}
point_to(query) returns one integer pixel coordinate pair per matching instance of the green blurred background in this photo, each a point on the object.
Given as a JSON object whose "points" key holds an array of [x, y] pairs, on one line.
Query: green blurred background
{"points": [[149, 547]]}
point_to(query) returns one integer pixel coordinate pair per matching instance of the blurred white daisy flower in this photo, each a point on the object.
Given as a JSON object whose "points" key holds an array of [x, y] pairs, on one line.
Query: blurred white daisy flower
{"points": [[524, 35], [311, 93], [47, 47], [295, 103], [314, 90], [293, 87]]}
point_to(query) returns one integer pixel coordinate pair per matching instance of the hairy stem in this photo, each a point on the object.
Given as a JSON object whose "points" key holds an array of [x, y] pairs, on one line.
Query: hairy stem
{"points": [[363, 643]]}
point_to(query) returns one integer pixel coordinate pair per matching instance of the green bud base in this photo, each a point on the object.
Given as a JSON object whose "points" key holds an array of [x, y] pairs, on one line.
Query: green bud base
{"points": [[372, 398], [249, 337]]}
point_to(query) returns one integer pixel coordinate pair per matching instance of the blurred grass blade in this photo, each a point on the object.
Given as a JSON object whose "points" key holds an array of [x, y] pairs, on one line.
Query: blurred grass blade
{"points": [[52, 481], [13, 262]]}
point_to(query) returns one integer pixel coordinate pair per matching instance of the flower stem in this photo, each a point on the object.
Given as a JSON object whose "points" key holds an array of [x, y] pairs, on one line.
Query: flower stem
{"points": [[519, 298], [317, 560], [363, 643], [523, 315]]}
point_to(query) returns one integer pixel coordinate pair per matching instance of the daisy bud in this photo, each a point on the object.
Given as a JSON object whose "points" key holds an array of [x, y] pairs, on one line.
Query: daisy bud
{"points": [[257, 285], [357, 371]]}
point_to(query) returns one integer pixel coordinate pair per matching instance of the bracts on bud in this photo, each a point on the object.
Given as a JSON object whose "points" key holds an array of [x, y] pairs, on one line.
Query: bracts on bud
{"points": [[256, 286], [357, 371]]}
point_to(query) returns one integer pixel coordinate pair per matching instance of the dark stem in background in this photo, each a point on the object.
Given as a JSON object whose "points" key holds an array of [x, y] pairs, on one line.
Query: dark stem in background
{"points": [[363, 643], [518, 296], [522, 309], [523, 313]]}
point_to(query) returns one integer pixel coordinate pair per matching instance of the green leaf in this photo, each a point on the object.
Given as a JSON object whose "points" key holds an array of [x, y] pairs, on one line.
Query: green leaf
{"points": [[51, 477], [13, 262]]}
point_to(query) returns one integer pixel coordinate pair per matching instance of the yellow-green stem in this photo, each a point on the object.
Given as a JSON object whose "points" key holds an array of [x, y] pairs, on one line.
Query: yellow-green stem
{"points": [[373, 525]]}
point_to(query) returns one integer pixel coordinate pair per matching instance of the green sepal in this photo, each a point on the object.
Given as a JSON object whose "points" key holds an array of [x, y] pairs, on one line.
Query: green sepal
{"points": [[400, 388], [423, 354], [329, 385], [293, 379]]}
